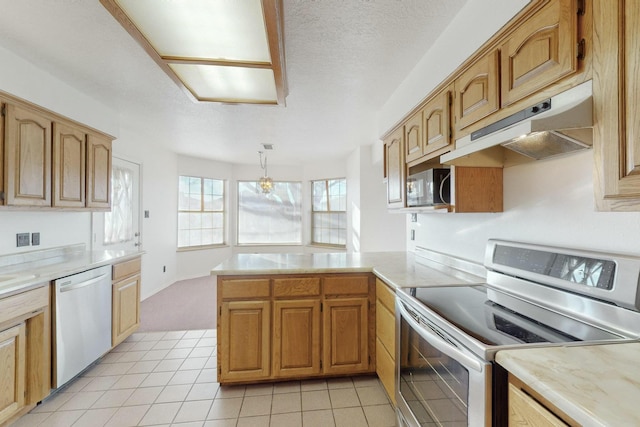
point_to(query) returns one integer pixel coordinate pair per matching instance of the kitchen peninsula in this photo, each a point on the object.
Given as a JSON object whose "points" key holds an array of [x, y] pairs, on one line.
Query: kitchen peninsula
{"points": [[293, 316]]}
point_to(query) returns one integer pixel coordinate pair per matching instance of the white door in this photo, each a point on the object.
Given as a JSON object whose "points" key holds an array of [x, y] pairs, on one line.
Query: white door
{"points": [[120, 228]]}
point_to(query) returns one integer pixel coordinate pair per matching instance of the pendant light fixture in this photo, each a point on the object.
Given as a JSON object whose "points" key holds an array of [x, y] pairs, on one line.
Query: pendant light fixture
{"points": [[265, 183]]}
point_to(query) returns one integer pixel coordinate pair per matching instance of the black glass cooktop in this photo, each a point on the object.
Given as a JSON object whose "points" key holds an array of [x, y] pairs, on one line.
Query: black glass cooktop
{"points": [[470, 309]]}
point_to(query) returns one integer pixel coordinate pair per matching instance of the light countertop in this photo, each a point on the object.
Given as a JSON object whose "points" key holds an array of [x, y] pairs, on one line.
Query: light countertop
{"points": [[21, 272], [398, 269], [596, 385]]}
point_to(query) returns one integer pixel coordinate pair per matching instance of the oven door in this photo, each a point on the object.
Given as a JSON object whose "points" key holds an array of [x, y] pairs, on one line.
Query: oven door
{"points": [[439, 381]]}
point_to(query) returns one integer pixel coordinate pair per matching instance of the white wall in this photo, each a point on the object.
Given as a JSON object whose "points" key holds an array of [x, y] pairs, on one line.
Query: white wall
{"points": [[56, 229], [548, 202], [380, 229], [372, 227], [159, 196]]}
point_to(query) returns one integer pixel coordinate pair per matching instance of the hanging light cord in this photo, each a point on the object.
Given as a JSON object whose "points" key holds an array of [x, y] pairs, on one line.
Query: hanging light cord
{"points": [[265, 163]]}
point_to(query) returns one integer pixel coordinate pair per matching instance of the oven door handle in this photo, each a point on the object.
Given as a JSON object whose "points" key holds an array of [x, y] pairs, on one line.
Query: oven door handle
{"points": [[439, 343]]}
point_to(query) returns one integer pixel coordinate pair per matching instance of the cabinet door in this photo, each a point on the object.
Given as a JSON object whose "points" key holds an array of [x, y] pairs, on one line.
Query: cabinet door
{"points": [[395, 170], [436, 123], [296, 338], [245, 328], [69, 160], [3, 197], [98, 172], [12, 371], [616, 93], [541, 51], [27, 158], [125, 309], [477, 91], [413, 137], [345, 340]]}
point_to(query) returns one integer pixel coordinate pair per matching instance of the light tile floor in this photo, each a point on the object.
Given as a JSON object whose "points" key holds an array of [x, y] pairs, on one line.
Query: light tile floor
{"points": [[169, 379]]}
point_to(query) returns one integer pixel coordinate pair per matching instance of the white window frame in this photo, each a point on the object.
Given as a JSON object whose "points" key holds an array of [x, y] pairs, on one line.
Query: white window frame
{"points": [[329, 211], [222, 212]]}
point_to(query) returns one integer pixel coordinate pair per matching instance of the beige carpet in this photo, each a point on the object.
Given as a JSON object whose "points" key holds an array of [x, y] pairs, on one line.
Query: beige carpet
{"points": [[185, 305]]}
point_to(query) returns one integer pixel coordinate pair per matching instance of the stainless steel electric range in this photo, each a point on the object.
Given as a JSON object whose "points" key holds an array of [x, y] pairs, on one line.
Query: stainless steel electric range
{"points": [[534, 296]]}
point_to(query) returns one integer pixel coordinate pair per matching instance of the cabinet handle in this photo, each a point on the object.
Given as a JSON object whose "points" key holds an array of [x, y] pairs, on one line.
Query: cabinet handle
{"points": [[580, 49]]}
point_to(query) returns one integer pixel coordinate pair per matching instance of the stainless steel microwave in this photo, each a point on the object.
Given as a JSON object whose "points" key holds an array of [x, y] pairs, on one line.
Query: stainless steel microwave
{"points": [[429, 187]]}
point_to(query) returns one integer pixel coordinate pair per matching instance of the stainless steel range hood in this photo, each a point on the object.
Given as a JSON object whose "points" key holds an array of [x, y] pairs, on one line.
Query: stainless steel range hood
{"points": [[559, 125]]}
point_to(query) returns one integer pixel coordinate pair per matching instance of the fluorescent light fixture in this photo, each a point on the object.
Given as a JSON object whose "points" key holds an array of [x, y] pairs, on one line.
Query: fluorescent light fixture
{"points": [[217, 50]]}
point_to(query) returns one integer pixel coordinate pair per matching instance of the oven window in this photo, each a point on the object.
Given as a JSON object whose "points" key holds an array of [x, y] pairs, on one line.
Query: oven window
{"points": [[434, 386]]}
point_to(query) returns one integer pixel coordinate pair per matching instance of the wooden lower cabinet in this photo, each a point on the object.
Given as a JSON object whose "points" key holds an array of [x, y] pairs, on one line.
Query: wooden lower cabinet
{"points": [[346, 340], [296, 338], [386, 338], [25, 352], [125, 315], [12, 371], [302, 326], [528, 408], [244, 335]]}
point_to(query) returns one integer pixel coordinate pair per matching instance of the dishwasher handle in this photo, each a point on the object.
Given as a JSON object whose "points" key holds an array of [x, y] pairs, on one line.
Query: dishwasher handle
{"points": [[67, 286]]}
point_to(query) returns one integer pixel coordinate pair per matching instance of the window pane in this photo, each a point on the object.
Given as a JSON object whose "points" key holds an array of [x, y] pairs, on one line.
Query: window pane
{"points": [[198, 199], [319, 196], [217, 203], [329, 219], [273, 218], [118, 223]]}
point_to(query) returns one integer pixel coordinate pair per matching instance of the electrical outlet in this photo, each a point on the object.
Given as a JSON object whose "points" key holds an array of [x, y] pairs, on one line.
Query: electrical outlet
{"points": [[146, 214], [22, 239], [35, 239]]}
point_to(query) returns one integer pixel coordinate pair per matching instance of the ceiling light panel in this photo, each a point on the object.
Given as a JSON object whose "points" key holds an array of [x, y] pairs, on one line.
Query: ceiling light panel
{"points": [[205, 29], [228, 84], [217, 50]]}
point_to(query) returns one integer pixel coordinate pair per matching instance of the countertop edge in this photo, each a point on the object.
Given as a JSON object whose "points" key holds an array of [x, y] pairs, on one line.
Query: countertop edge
{"points": [[41, 276]]}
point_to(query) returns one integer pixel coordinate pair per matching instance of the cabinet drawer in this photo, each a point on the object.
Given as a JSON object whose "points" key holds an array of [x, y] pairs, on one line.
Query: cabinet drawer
{"points": [[24, 303], [525, 410], [296, 287], [126, 269], [386, 370], [386, 296], [245, 288], [348, 285], [386, 327]]}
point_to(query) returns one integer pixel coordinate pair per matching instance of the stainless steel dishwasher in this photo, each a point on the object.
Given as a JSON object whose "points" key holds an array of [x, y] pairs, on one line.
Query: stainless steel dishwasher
{"points": [[82, 322]]}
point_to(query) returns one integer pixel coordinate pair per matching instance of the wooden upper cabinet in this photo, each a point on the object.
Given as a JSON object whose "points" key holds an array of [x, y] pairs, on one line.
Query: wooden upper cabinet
{"points": [[413, 137], [616, 94], [436, 123], [27, 147], [98, 172], [394, 154], [539, 52], [477, 91], [69, 160]]}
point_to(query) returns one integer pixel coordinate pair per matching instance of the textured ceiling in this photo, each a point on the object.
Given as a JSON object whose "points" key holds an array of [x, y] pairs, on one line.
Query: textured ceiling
{"points": [[344, 58]]}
